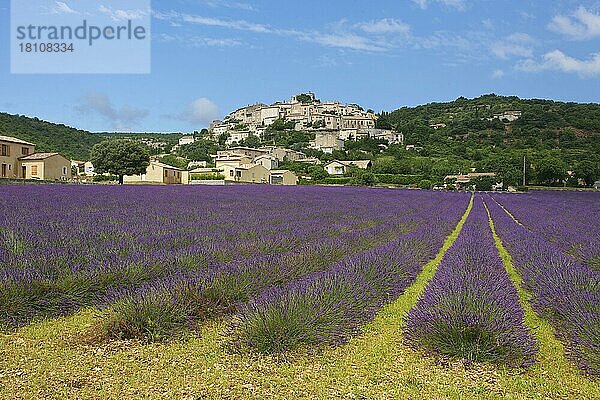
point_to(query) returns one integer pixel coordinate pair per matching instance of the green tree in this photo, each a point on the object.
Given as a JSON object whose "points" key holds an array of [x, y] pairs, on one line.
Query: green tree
{"points": [[362, 177], [587, 171], [550, 171], [200, 150], [484, 183], [223, 138], [120, 157], [317, 172], [425, 184], [251, 141], [174, 161]]}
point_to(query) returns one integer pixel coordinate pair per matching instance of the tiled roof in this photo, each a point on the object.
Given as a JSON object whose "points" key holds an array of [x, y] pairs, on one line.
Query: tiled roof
{"points": [[38, 156], [14, 140]]}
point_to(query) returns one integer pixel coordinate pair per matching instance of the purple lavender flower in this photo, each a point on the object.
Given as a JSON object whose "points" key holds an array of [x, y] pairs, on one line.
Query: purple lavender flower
{"points": [[470, 309]]}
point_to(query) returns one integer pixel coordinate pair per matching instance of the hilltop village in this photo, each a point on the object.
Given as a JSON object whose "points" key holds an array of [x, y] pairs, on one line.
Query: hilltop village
{"points": [[489, 142], [246, 151]]}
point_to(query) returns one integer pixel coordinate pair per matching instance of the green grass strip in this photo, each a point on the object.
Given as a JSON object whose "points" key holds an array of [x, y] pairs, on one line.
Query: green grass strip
{"points": [[411, 295], [505, 210], [551, 351]]}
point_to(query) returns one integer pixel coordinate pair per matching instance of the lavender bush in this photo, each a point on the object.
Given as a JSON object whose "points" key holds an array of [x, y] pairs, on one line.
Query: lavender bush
{"points": [[564, 219], [470, 309], [564, 291], [330, 306], [230, 287], [63, 248]]}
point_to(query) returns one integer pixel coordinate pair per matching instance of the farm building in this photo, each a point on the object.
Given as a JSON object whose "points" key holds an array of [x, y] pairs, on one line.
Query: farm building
{"points": [[267, 161], [283, 177], [337, 167], [11, 149], [251, 173], [158, 173], [45, 166]]}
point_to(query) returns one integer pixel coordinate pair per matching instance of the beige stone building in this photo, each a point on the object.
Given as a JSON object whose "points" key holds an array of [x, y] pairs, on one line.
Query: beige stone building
{"points": [[228, 162], [282, 154], [267, 161], [251, 173], [337, 167], [158, 173], [46, 166], [327, 142], [11, 149], [244, 151], [283, 177]]}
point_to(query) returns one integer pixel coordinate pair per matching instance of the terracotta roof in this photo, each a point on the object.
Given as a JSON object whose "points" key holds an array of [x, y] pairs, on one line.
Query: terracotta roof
{"points": [[14, 140], [247, 148], [247, 166], [159, 164], [358, 163], [38, 156]]}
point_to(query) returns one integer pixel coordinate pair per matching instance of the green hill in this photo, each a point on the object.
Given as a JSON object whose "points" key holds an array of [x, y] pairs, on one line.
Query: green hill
{"points": [[556, 137], [544, 124], [70, 142]]}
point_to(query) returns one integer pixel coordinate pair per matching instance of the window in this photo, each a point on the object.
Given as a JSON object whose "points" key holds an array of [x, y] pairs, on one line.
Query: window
{"points": [[64, 170], [231, 173], [25, 151], [166, 173], [5, 150], [34, 170]]}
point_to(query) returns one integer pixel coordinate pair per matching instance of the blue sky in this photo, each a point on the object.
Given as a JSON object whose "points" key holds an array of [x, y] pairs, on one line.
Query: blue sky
{"points": [[212, 56]]}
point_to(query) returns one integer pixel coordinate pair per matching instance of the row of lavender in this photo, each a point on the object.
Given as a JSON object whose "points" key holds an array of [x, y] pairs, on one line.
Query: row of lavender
{"points": [[563, 290], [331, 305], [178, 302], [568, 220], [470, 309], [62, 248]]}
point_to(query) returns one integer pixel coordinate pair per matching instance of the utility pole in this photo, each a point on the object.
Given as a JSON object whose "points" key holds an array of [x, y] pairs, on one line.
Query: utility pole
{"points": [[524, 184]]}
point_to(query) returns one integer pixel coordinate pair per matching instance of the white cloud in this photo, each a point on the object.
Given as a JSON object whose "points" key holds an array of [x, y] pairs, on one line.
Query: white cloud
{"points": [[198, 41], [443, 39], [124, 118], [344, 40], [580, 25], [558, 61], [518, 44], [457, 4], [340, 38], [383, 26], [122, 15], [63, 8], [231, 24], [229, 4], [497, 74], [200, 111]]}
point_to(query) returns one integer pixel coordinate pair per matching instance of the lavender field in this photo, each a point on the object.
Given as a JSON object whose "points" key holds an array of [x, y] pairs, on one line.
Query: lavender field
{"points": [[177, 256], [259, 270]]}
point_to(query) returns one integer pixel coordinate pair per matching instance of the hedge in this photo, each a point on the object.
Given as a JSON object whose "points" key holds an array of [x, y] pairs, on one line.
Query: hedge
{"points": [[392, 179]]}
